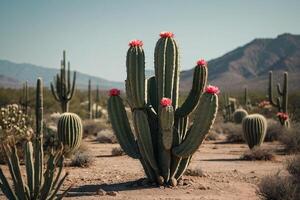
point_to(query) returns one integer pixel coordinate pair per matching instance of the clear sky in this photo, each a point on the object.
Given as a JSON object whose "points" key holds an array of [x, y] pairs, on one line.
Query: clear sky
{"points": [[95, 33]]}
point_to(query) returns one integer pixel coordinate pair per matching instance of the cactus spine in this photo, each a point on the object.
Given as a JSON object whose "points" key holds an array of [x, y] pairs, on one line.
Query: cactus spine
{"points": [[69, 130], [90, 103], [254, 128], [239, 115], [61, 88], [24, 100], [41, 182], [281, 102], [162, 141]]}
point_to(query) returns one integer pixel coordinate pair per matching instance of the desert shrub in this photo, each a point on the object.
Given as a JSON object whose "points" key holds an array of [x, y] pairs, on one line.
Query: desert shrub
{"points": [[92, 127], [81, 159], [197, 171], [258, 154], [233, 132], [212, 135], [106, 136], [291, 138], [276, 187], [117, 151], [293, 167], [274, 131]]}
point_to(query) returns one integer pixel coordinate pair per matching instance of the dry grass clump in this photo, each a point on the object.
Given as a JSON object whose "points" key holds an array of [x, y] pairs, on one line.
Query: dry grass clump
{"points": [[233, 132], [291, 138], [81, 159], [258, 154], [293, 167], [274, 131], [197, 171], [212, 135], [117, 151], [106, 136], [92, 127]]}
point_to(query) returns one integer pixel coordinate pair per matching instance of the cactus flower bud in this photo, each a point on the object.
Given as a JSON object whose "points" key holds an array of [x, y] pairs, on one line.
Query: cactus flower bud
{"points": [[164, 102], [114, 92], [135, 43], [282, 115], [201, 63], [212, 89], [166, 34]]}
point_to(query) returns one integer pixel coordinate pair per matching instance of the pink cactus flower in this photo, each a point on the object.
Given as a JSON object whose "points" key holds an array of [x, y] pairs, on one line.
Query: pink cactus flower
{"points": [[212, 89], [114, 92], [282, 115], [164, 102], [264, 103], [201, 63], [166, 34], [136, 43]]}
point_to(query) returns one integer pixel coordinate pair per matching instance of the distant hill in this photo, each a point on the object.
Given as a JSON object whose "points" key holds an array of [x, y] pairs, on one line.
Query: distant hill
{"points": [[249, 65], [13, 74]]}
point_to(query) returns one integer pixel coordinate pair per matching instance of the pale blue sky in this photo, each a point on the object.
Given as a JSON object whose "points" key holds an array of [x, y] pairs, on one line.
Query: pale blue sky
{"points": [[96, 33]]}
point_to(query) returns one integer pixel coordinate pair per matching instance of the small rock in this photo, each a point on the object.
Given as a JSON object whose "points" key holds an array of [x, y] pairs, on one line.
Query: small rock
{"points": [[111, 193], [101, 192], [201, 187], [252, 172]]}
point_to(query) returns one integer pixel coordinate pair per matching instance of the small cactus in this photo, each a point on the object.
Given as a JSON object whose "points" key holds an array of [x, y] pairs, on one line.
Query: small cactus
{"points": [[254, 128], [229, 106], [90, 102], [24, 100], [239, 115], [69, 130]]}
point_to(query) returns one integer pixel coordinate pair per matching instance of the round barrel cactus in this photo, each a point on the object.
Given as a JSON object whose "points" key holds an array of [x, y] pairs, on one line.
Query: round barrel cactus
{"points": [[254, 128], [239, 115], [69, 129]]}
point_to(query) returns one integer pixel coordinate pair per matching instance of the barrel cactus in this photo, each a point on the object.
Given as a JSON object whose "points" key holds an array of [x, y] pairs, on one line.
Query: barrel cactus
{"points": [[254, 128], [69, 129], [162, 142], [239, 115]]}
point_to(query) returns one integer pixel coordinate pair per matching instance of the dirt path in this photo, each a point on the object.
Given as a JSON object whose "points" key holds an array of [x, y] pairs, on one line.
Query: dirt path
{"points": [[226, 176]]}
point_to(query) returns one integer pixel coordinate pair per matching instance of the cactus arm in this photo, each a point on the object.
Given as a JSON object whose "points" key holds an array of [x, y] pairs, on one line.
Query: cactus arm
{"points": [[152, 93], [159, 71], [69, 77], [279, 90], [121, 126], [199, 82], [176, 79], [170, 65], [285, 93], [58, 187], [48, 177], [6, 188], [270, 90], [205, 116], [184, 163], [72, 92], [54, 92], [28, 149], [166, 123]]}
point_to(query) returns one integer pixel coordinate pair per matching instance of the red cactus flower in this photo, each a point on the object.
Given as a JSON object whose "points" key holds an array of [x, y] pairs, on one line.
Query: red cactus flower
{"points": [[136, 43], [212, 89], [166, 34], [114, 92], [164, 102], [201, 63], [282, 115]]}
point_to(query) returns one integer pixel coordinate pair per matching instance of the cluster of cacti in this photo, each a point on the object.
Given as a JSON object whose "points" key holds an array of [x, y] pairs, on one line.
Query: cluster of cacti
{"points": [[239, 115], [14, 123], [281, 102], [69, 130], [24, 100], [61, 88], [163, 142], [254, 128], [247, 101], [229, 107], [41, 182]]}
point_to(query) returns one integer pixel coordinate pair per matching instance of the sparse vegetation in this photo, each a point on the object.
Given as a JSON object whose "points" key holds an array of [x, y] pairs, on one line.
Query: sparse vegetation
{"points": [[258, 154], [291, 138], [81, 159], [117, 151], [106, 136], [197, 171]]}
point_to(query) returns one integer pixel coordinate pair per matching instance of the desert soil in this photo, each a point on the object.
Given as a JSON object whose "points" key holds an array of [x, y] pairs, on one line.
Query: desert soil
{"points": [[226, 177]]}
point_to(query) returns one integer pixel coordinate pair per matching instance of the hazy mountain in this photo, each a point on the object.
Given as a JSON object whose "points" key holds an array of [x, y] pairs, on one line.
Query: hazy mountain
{"points": [[249, 65], [17, 73]]}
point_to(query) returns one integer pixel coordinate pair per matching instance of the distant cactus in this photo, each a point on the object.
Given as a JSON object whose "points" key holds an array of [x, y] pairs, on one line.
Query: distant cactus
{"points": [[247, 101], [254, 128], [164, 143], [239, 115], [97, 113], [90, 103], [24, 100], [61, 88], [281, 102], [69, 130], [42, 182], [229, 106]]}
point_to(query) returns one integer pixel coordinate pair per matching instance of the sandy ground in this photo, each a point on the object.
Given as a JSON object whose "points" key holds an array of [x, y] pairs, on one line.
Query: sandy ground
{"points": [[226, 177]]}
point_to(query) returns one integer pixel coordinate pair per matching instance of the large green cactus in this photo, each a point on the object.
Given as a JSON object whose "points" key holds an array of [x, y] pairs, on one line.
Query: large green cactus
{"points": [[61, 88], [41, 182], [254, 128], [281, 102], [162, 141], [69, 130], [239, 115]]}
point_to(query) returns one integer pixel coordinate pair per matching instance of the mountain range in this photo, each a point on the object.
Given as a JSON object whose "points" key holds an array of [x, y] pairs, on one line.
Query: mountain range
{"points": [[245, 66]]}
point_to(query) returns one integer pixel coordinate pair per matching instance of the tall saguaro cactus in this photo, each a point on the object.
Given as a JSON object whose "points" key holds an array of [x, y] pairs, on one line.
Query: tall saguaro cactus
{"points": [[162, 141], [90, 103], [281, 102], [247, 100], [41, 182], [24, 100], [61, 88]]}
